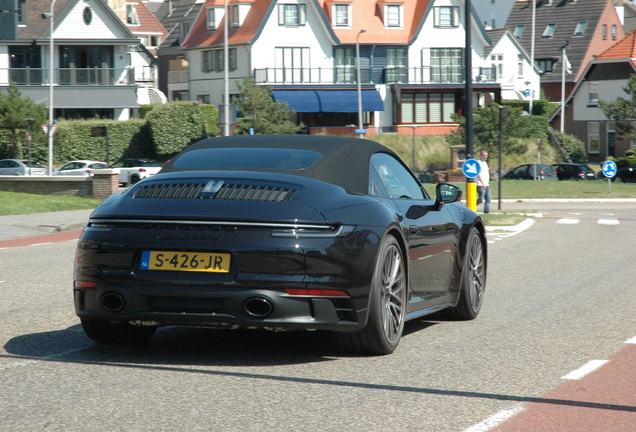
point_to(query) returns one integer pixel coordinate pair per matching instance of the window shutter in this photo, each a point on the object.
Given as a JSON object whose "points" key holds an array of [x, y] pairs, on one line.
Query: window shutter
{"points": [[302, 14], [455, 16], [436, 17], [281, 14]]}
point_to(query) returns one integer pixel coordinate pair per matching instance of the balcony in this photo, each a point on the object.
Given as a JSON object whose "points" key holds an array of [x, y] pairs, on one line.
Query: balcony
{"points": [[388, 75], [68, 76]]}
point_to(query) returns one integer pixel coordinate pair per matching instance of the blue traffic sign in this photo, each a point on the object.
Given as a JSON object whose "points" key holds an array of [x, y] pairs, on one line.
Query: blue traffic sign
{"points": [[361, 131], [527, 92], [609, 169], [471, 168]]}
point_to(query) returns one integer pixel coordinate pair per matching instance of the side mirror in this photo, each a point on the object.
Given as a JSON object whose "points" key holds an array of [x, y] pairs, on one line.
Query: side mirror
{"points": [[444, 193]]}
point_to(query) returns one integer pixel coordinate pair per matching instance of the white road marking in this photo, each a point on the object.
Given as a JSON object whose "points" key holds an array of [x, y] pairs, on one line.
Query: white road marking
{"points": [[495, 420], [568, 221], [608, 221], [587, 368], [40, 244], [631, 341]]}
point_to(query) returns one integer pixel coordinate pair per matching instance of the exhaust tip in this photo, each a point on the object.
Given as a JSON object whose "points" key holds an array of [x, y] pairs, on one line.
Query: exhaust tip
{"points": [[112, 302], [258, 307]]}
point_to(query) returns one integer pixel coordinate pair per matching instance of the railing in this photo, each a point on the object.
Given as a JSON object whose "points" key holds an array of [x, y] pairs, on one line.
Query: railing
{"points": [[178, 76], [68, 76], [387, 75]]}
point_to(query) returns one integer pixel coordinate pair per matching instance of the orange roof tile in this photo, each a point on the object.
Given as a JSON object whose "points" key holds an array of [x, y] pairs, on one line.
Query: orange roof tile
{"points": [[148, 22], [625, 48], [367, 15]]}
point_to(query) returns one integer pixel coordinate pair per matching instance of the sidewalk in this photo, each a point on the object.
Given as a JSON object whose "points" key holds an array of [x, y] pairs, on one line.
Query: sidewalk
{"points": [[29, 225]]}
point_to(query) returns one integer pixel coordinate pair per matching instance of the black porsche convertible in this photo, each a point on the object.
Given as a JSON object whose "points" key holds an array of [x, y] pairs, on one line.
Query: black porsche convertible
{"points": [[281, 232]]}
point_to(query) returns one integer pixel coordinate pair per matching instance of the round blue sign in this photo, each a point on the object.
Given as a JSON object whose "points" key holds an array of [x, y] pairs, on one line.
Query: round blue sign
{"points": [[471, 168], [609, 169]]}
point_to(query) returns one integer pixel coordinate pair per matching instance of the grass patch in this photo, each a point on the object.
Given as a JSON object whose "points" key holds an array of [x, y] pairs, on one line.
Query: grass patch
{"points": [[528, 189], [22, 203]]}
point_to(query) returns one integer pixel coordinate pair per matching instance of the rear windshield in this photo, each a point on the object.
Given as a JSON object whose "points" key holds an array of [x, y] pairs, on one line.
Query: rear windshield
{"points": [[248, 158]]}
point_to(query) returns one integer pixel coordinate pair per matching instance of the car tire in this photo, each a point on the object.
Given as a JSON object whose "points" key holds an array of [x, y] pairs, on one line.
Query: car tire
{"points": [[387, 305], [473, 284], [134, 179], [107, 332]]}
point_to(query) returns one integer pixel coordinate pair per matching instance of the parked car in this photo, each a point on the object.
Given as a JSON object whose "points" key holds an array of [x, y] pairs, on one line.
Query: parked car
{"points": [[80, 168], [531, 172], [627, 174], [280, 232], [21, 167], [133, 170], [572, 171]]}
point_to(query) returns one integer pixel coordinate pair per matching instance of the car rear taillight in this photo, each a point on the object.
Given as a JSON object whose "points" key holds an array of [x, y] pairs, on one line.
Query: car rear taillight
{"points": [[581, 175], [142, 169], [542, 172], [315, 292]]}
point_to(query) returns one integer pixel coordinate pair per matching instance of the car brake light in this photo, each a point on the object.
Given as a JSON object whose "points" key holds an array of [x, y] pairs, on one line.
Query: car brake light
{"points": [[142, 169], [84, 284], [315, 292], [542, 172], [581, 175]]}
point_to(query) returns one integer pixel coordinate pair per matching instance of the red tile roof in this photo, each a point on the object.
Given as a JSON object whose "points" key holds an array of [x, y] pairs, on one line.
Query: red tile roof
{"points": [[623, 49], [148, 23]]}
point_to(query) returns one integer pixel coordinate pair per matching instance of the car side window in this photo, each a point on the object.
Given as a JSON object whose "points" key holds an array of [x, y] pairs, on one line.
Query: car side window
{"points": [[397, 180]]}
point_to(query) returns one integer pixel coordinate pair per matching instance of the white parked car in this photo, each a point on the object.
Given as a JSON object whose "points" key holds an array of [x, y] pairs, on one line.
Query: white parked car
{"points": [[80, 168], [133, 170], [21, 167]]}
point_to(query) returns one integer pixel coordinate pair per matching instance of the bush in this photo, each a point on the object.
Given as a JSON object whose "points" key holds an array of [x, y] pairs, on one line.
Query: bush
{"points": [[176, 124], [574, 146]]}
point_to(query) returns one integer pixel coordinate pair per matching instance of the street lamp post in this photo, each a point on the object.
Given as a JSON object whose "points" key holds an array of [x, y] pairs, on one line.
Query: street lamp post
{"points": [[29, 120], [49, 130], [360, 123]]}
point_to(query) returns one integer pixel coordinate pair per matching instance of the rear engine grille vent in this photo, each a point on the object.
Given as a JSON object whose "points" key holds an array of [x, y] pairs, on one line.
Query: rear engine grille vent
{"points": [[215, 190]]}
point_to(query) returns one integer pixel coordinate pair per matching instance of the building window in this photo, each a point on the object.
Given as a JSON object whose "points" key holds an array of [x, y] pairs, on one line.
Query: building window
{"points": [[593, 137], [611, 138], [446, 16], [204, 98], [396, 65], [545, 66], [232, 58], [427, 108], [593, 92], [211, 20], [206, 61], [604, 31], [549, 30], [519, 65], [184, 30], [497, 64], [613, 32], [341, 15], [292, 14], [292, 65], [580, 28], [345, 65], [131, 14], [21, 11], [235, 16], [519, 31], [447, 65], [393, 16]]}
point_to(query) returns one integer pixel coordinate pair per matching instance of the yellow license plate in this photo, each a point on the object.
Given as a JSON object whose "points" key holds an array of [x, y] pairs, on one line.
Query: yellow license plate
{"points": [[185, 261]]}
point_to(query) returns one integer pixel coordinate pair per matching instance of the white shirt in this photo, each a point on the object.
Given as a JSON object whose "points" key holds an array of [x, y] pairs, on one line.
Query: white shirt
{"points": [[483, 179]]}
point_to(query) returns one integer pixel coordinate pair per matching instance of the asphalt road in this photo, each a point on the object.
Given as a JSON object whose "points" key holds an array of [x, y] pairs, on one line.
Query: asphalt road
{"points": [[559, 295]]}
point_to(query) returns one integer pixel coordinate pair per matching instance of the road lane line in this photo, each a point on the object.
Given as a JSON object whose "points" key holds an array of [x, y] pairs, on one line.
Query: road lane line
{"points": [[590, 366], [608, 222], [495, 420], [568, 221], [631, 341]]}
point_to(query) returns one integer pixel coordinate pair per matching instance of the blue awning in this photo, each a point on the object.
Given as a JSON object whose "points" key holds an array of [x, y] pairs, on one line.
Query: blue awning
{"points": [[329, 100], [347, 100], [300, 100]]}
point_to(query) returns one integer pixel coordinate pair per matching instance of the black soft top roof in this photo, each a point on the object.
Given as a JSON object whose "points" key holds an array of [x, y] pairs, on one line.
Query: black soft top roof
{"points": [[345, 161]]}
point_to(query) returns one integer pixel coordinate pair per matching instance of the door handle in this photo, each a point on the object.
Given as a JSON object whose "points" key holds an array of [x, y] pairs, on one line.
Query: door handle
{"points": [[414, 229]]}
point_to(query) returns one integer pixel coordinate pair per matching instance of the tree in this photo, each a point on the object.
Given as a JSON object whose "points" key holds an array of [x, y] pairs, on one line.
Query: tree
{"points": [[486, 129], [260, 112], [623, 111], [13, 110]]}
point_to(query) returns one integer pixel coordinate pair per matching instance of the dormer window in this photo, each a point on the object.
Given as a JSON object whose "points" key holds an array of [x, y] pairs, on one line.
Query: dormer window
{"points": [[393, 15], [549, 30], [234, 15], [292, 14], [446, 16], [131, 14], [341, 15], [211, 19], [580, 28], [519, 31]]}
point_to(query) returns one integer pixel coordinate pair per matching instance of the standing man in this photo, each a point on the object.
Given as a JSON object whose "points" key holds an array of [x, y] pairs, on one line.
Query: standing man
{"points": [[483, 182]]}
